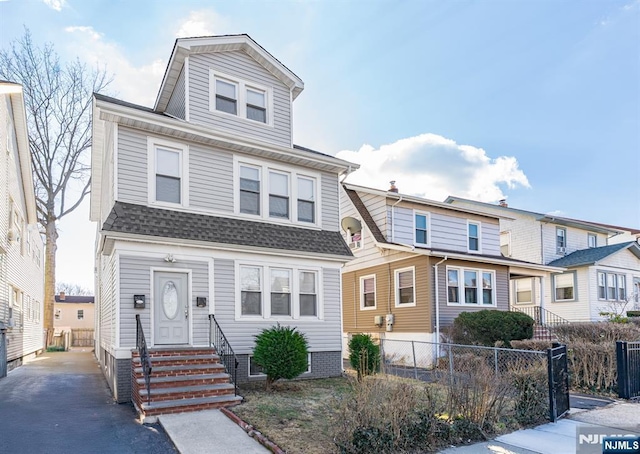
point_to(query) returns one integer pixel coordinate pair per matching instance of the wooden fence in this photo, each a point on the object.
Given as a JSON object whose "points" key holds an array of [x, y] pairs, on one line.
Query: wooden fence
{"points": [[82, 337]]}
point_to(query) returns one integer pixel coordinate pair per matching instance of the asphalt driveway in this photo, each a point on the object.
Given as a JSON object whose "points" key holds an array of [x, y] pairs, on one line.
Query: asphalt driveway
{"points": [[60, 403]]}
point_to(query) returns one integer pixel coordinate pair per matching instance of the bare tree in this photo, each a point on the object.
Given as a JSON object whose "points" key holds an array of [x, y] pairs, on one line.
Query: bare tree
{"points": [[58, 99], [73, 289]]}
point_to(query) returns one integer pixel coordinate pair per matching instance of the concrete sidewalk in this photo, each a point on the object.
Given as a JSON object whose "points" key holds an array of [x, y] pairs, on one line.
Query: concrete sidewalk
{"points": [[561, 437]]}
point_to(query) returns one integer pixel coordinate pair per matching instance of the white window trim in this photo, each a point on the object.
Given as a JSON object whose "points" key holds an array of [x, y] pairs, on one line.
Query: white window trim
{"points": [[265, 272], [553, 287], [241, 100], [291, 295], [375, 293], [479, 224], [619, 276], [428, 221], [396, 279], [293, 175], [515, 291], [183, 150], [595, 237], [565, 240], [461, 287]]}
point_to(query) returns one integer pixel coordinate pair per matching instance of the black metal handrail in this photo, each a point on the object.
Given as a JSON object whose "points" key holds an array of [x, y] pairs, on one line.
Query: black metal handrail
{"points": [[219, 341], [145, 359], [541, 316]]}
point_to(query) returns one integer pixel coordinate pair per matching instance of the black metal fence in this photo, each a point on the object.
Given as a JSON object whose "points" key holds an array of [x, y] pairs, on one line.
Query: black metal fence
{"points": [[557, 363], [628, 361], [228, 358]]}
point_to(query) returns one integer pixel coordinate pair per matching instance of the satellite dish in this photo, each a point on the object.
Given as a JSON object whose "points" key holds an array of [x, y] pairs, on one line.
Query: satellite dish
{"points": [[351, 224]]}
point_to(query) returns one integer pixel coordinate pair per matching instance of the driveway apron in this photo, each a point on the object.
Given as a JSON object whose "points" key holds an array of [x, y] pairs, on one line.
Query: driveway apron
{"points": [[61, 403]]}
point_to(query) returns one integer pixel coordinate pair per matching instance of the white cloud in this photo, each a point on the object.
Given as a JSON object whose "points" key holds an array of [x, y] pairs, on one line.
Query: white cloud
{"points": [[202, 23], [134, 83], [434, 167], [55, 4]]}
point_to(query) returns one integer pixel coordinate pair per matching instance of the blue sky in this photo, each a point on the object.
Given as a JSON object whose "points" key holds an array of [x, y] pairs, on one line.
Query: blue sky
{"points": [[535, 101]]}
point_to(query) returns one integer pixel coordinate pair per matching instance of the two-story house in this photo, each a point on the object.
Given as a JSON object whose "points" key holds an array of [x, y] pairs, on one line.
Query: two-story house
{"points": [[602, 273], [205, 207], [21, 246], [419, 263]]}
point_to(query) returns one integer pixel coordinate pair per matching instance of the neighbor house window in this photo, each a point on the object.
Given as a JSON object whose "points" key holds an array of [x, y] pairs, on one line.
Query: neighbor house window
{"points": [[524, 291], [226, 96], [57, 314], [473, 236], [256, 105], [80, 314], [249, 190], [251, 290], [465, 281], [561, 240], [405, 287], [280, 292], [421, 228], [592, 239], [368, 292], [564, 286], [278, 195], [306, 200], [308, 293], [505, 243], [611, 286]]}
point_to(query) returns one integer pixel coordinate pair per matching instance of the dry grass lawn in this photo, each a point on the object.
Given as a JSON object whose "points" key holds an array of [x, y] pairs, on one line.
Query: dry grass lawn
{"points": [[296, 415]]}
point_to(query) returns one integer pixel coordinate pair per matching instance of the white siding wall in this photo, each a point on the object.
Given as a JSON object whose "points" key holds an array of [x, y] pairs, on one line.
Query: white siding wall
{"points": [[622, 263], [330, 217], [240, 65], [176, 105], [210, 179], [574, 311], [132, 166], [106, 303]]}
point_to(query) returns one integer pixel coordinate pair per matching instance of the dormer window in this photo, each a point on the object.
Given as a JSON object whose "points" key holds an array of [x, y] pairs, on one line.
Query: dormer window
{"points": [[227, 96], [244, 100]]}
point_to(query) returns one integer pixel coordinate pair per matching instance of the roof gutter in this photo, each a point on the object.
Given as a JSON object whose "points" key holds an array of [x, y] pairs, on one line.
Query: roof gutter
{"points": [[393, 230]]}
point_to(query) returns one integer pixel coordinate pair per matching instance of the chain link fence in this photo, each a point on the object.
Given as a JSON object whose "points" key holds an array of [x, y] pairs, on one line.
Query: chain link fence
{"points": [[429, 361]]}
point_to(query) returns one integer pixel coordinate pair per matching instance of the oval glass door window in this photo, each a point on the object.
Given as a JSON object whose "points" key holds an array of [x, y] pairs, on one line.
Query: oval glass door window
{"points": [[170, 300]]}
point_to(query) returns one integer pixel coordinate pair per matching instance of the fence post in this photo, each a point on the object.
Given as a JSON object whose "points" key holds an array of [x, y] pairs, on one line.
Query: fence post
{"points": [[495, 360], [622, 360], [552, 388], [415, 365], [450, 362], [382, 364]]}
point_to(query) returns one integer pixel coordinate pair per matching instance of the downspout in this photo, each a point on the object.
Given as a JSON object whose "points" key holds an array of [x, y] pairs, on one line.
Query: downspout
{"points": [[393, 236], [435, 267], [346, 173]]}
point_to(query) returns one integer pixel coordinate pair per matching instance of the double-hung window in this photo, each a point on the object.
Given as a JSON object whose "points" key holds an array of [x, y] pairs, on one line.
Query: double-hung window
{"points": [[473, 229], [524, 291], [308, 293], [368, 292], [80, 314], [168, 187], [474, 287], [421, 228], [251, 290], [278, 195], [592, 240], [611, 286], [306, 200], [256, 105], [249, 190], [280, 292], [564, 287], [561, 240], [226, 96], [405, 287]]}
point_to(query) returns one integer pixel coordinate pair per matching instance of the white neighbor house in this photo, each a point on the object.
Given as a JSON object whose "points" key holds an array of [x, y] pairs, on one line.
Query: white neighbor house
{"points": [[205, 206], [602, 272], [21, 247]]}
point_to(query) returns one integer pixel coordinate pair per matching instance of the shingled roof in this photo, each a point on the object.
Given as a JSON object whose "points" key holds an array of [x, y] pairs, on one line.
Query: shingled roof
{"points": [[593, 255], [366, 216], [157, 222]]}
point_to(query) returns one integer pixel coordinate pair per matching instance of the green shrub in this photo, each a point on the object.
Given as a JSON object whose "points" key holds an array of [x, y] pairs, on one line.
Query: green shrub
{"points": [[55, 348], [486, 327], [281, 352], [633, 313], [364, 355], [597, 333], [531, 400]]}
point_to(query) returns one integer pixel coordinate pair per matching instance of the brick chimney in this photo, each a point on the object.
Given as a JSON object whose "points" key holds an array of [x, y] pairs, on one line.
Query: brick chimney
{"points": [[393, 187], [62, 296], [503, 203]]}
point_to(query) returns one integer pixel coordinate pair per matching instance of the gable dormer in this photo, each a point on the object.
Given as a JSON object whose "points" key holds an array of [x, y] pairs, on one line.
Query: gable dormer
{"points": [[231, 84]]}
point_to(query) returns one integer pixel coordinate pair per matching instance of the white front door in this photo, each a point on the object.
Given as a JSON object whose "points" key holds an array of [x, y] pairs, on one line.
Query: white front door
{"points": [[171, 308]]}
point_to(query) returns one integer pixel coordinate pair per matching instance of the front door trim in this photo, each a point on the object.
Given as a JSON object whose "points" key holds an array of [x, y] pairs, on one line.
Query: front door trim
{"points": [[154, 305]]}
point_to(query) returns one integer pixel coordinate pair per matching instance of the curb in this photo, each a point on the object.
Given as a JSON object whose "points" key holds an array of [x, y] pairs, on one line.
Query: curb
{"points": [[249, 429]]}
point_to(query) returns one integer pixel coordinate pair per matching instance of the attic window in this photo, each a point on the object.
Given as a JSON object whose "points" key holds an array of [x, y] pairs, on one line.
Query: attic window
{"points": [[256, 105], [244, 100], [226, 97]]}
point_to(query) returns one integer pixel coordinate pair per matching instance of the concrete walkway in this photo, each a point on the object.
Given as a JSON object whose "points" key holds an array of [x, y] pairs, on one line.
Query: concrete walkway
{"points": [[621, 418]]}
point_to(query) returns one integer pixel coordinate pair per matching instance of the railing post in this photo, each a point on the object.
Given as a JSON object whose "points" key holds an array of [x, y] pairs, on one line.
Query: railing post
{"points": [[622, 360]]}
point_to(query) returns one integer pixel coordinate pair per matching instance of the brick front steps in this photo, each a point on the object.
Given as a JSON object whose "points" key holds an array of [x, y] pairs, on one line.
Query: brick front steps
{"points": [[182, 379]]}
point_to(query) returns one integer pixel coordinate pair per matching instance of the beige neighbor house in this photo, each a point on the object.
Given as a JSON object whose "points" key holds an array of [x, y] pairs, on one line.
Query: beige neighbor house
{"points": [[601, 261], [74, 320], [418, 264], [212, 221], [21, 246]]}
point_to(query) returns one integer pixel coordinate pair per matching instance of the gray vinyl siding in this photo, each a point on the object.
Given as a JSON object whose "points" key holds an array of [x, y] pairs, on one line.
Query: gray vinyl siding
{"points": [[330, 202], [132, 166], [323, 335], [176, 105], [210, 179], [135, 279], [106, 310], [240, 65], [449, 313], [448, 232], [402, 219]]}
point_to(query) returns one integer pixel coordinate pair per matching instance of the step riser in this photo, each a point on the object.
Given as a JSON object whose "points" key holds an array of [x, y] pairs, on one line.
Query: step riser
{"points": [[180, 373], [194, 382], [189, 395], [185, 352], [181, 362], [189, 408]]}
